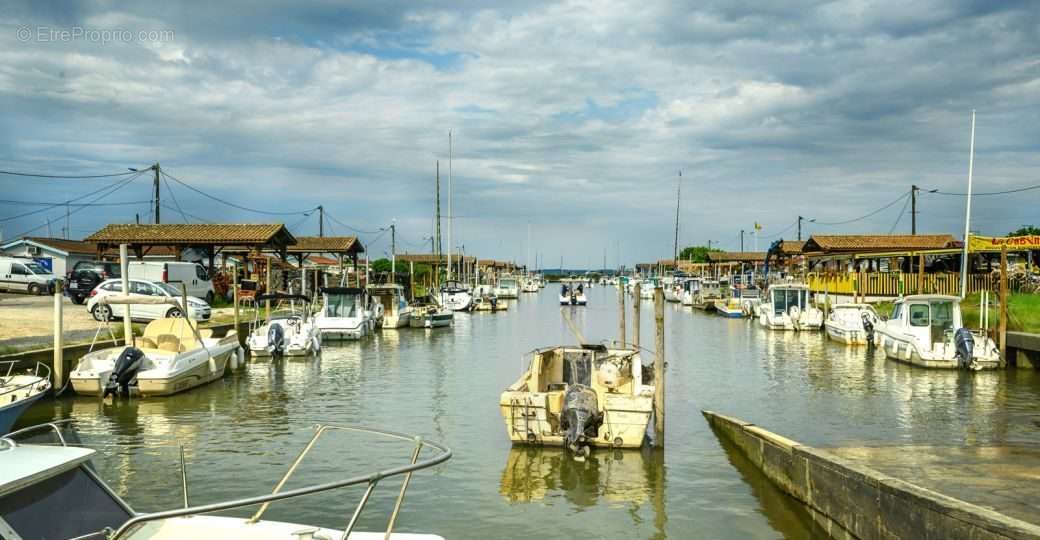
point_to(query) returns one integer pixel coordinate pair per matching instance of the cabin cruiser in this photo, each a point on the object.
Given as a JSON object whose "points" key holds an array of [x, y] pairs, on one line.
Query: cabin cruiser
{"points": [[344, 314], [529, 284], [507, 287], [50, 489], [787, 307], [392, 310], [741, 303], [926, 330], [431, 317], [18, 391], [646, 288], [710, 292], [484, 299], [287, 334], [852, 324], [673, 292], [173, 355], [580, 396], [455, 296], [691, 288], [572, 295]]}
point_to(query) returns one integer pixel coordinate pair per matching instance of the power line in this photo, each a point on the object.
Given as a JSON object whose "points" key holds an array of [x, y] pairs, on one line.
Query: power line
{"points": [[75, 176], [174, 197], [1017, 190], [231, 204], [183, 213], [40, 203], [899, 217], [875, 212], [113, 186], [121, 185], [789, 227], [356, 230]]}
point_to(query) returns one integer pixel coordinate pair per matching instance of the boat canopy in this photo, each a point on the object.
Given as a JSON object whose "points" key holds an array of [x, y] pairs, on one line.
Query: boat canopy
{"points": [[281, 296], [120, 299], [341, 290]]}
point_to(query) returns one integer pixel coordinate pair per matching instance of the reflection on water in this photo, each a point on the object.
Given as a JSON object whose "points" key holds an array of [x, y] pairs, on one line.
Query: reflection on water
{"points": [[240, 433]]}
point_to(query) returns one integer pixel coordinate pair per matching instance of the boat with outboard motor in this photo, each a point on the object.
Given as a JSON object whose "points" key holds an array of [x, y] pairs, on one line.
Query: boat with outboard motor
{"points": [[852, 324], [741, 303], [573, 295], [787, 306], [18, 391], [454, 295], [507, 287], [529, 285], [691, 288], [392, 309], [284, 334], [926, 330], [580, 396], [431, 317], [484, 299], [50, 489], [344, 314], [173, 355]]}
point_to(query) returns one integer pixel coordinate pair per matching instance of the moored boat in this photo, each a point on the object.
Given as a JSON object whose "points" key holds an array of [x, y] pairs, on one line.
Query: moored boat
{"points": [[507, 287], [287, 334], [454, 295], [926, 330], [431, 317], [741, 303], [393, 309], [344, 314], [709, 293], [786, 306], [18, 391], [573, 295], [852, 324]]}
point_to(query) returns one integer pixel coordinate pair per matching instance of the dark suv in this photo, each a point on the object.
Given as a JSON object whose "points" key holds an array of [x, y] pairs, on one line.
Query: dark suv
{"points": [[85, 276]]}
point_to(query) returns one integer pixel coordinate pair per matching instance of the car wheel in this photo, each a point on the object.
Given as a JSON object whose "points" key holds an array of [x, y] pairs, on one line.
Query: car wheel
{"points": [[101, 313], [34, 289], [174, 313]]}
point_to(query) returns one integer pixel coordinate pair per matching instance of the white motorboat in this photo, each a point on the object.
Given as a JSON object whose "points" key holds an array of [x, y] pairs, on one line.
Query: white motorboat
{"points": [[927, 330], [18, 391], [707, 295], [852, 324], [742, 303], [529, 285], [673, 292], [454, 295], [344, 314], [392, 309], [287, 334], [786, 306], [691, 289], [431, 317], [507, 287], [573, 295], [646, 288], [172, 356], [50, 489]]}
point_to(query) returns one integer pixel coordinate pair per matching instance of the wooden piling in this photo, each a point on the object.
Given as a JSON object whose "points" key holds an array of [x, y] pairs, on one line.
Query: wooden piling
{"points": [[621, 312], [920, 274], [637, 300], [59, 338], [1002, 322], [124, 270], [267, 290], [659, 368], [234, 296]]}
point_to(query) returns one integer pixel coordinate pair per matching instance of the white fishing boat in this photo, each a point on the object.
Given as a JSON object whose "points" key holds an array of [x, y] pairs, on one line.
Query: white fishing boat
{"points": [[646, 288], [454, 295], [673, 292], [580, 396], [284, 334], [431, 317], [709, 292], [173, 355], [927, 330], [529, 285], [18, 391], [392, 309], [691, 288], [573, 295], [852, 324], [344, 314], [742, 303], [507, 287], [786, 306], [50, 489]]}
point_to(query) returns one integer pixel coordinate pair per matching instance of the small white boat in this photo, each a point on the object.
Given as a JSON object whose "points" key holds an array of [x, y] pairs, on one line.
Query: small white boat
{"points": [[708, 294], [646, 289], [455, 296], [786, 306], [529, 285], [344, 314], [741, 303], [392, 309], [852, 324], [673, 292], [507, 287], [926, 330], [573, 295], [285, 334], [691, 289], [18, 391], [172, 356], [431, 317]]}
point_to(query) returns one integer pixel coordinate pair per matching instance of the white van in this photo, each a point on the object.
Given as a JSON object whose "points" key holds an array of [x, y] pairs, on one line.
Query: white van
{"points": [[24, 275], [194, 276]]}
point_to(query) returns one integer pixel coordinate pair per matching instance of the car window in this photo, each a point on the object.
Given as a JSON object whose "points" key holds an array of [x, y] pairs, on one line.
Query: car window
{"points": [[200, 272], [114, 286], [170, 289], [140, 287], [919, 315], [18, 269]]}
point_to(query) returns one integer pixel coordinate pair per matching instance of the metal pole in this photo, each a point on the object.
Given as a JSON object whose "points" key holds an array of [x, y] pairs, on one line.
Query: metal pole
{"points": [[451, 215], [267, 290], [156, 169], [59, 364], [659, 368], [321, 220], [800, 228], [621, 311], [741, 240], [637, 300], [393, 252], [967, 212], [124, 270], [913, 209], [234, 290], [1003, 320]]}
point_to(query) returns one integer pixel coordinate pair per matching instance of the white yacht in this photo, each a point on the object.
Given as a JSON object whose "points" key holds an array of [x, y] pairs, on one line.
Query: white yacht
{"points": [[507, 287], [926, 330], [50, 489], [572, 295], [172, 356], [286, 334], [852, 324], [786, 306], [344, 314], [646, 288], [529, 285], [691, 289], [454, 295], [392, 309], [20, 390]]}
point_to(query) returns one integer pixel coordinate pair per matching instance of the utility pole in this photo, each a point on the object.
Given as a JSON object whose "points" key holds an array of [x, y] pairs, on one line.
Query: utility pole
{"points": [[967, 212], [800, 218], [393, 252], [913, 209], [742, 240], [321, 221], [156, 169], [437, 227], [678, 198]]}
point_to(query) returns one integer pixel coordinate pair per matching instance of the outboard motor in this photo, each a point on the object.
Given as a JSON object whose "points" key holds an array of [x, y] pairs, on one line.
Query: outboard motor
{"points": [[868, 328], [580, 419], [276, 339], [965, 344], [124, 373], [494, 303]]}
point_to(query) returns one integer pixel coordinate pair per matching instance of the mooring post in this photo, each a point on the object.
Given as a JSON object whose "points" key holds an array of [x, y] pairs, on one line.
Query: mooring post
{"points": [[267, 290], [621, 312], [920, 274], [1002, 322], [659, 368], [124, 270], [637, 298], [59, 364], [234, 296]]}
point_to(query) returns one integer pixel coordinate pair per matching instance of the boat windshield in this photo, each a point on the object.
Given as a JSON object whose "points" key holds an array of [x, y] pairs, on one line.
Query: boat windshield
{"points": [[783, 299], [508, 282], [342, 305], [936, 313]]}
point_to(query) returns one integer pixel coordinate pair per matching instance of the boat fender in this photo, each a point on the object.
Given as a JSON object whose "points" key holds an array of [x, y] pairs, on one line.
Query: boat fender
{"points": [[965, 344], [124, 373]]}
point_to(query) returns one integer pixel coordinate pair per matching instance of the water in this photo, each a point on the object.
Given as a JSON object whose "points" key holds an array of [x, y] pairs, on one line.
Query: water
{"points": [[240, 434]]}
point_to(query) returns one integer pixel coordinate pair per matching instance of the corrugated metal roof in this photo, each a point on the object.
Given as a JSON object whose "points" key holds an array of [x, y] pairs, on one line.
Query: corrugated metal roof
{"points": [[194, 234]]}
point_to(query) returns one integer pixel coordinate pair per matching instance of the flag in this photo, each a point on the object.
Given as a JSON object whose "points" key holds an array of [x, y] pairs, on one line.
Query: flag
{"points": [[758, 226]]}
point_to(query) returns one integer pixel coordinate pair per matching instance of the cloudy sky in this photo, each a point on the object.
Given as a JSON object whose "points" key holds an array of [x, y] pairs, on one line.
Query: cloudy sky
{"points": [[575, 117]]}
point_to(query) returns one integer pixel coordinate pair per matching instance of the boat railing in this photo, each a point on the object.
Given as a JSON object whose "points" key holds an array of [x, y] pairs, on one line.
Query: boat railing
{"points": [[29, 386], [369, 480]]}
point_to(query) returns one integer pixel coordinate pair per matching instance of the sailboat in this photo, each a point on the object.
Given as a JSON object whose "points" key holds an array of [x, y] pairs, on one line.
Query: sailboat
{"points": [[454, 295]]}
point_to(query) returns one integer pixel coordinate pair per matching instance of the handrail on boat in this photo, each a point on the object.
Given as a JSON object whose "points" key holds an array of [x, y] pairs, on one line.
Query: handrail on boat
{"points": [[370, 480], [36, 373]]}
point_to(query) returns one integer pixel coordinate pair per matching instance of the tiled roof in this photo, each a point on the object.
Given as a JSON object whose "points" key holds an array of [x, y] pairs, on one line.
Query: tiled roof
{"points": [[876, 242], [792, 247], [736, 256], [194, 234], [327, 244], [426, 258]]}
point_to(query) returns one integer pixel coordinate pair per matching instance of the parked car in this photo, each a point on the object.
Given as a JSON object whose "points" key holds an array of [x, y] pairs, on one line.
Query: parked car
{"points": [[193, 275], [86, 275], [198, 309], [25, 275]]}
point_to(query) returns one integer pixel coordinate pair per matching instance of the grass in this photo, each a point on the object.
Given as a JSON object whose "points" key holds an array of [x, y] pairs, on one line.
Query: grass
{"points": [[1023, 312]]}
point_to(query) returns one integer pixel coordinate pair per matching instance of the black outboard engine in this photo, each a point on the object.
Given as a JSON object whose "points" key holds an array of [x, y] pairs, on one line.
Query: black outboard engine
{"points": [[276, 339], [580, 419], [124, 373], [868, 329], [494, 303], [965, 344]]}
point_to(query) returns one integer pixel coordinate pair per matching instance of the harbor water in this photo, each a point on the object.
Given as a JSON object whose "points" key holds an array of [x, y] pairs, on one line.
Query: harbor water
{"points": [[240, 434]]}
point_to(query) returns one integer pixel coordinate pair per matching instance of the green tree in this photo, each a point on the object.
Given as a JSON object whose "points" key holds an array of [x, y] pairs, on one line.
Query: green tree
{"points": [[1026, 230], [381, 265], [697, 254]]}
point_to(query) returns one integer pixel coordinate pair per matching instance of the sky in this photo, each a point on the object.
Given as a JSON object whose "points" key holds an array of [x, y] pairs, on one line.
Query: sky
{"points": [[571, 120]]}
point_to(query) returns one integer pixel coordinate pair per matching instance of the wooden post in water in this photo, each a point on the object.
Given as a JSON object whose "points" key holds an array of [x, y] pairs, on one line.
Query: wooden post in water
{"points": [[621, 312], [1002, 322], [637, 299], [659, 368], [124, 270], [59, 364], [267, 290], [920, 274], [234, 296]]}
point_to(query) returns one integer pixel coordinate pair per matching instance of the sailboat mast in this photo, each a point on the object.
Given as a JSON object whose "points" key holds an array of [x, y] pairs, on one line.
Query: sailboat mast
{"points": [[529, 267], [437, 226], [678, 197], [451, 214]]}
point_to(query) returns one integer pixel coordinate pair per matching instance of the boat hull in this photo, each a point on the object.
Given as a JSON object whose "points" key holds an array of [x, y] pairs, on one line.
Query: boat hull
{"points": [[730, 313], [904, 351], [527, 421], [10, 413], [147, 385], [848, 336]]}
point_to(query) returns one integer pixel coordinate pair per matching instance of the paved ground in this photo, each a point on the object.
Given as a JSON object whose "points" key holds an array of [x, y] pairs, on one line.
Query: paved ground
{"points": [[1005, 479]]}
